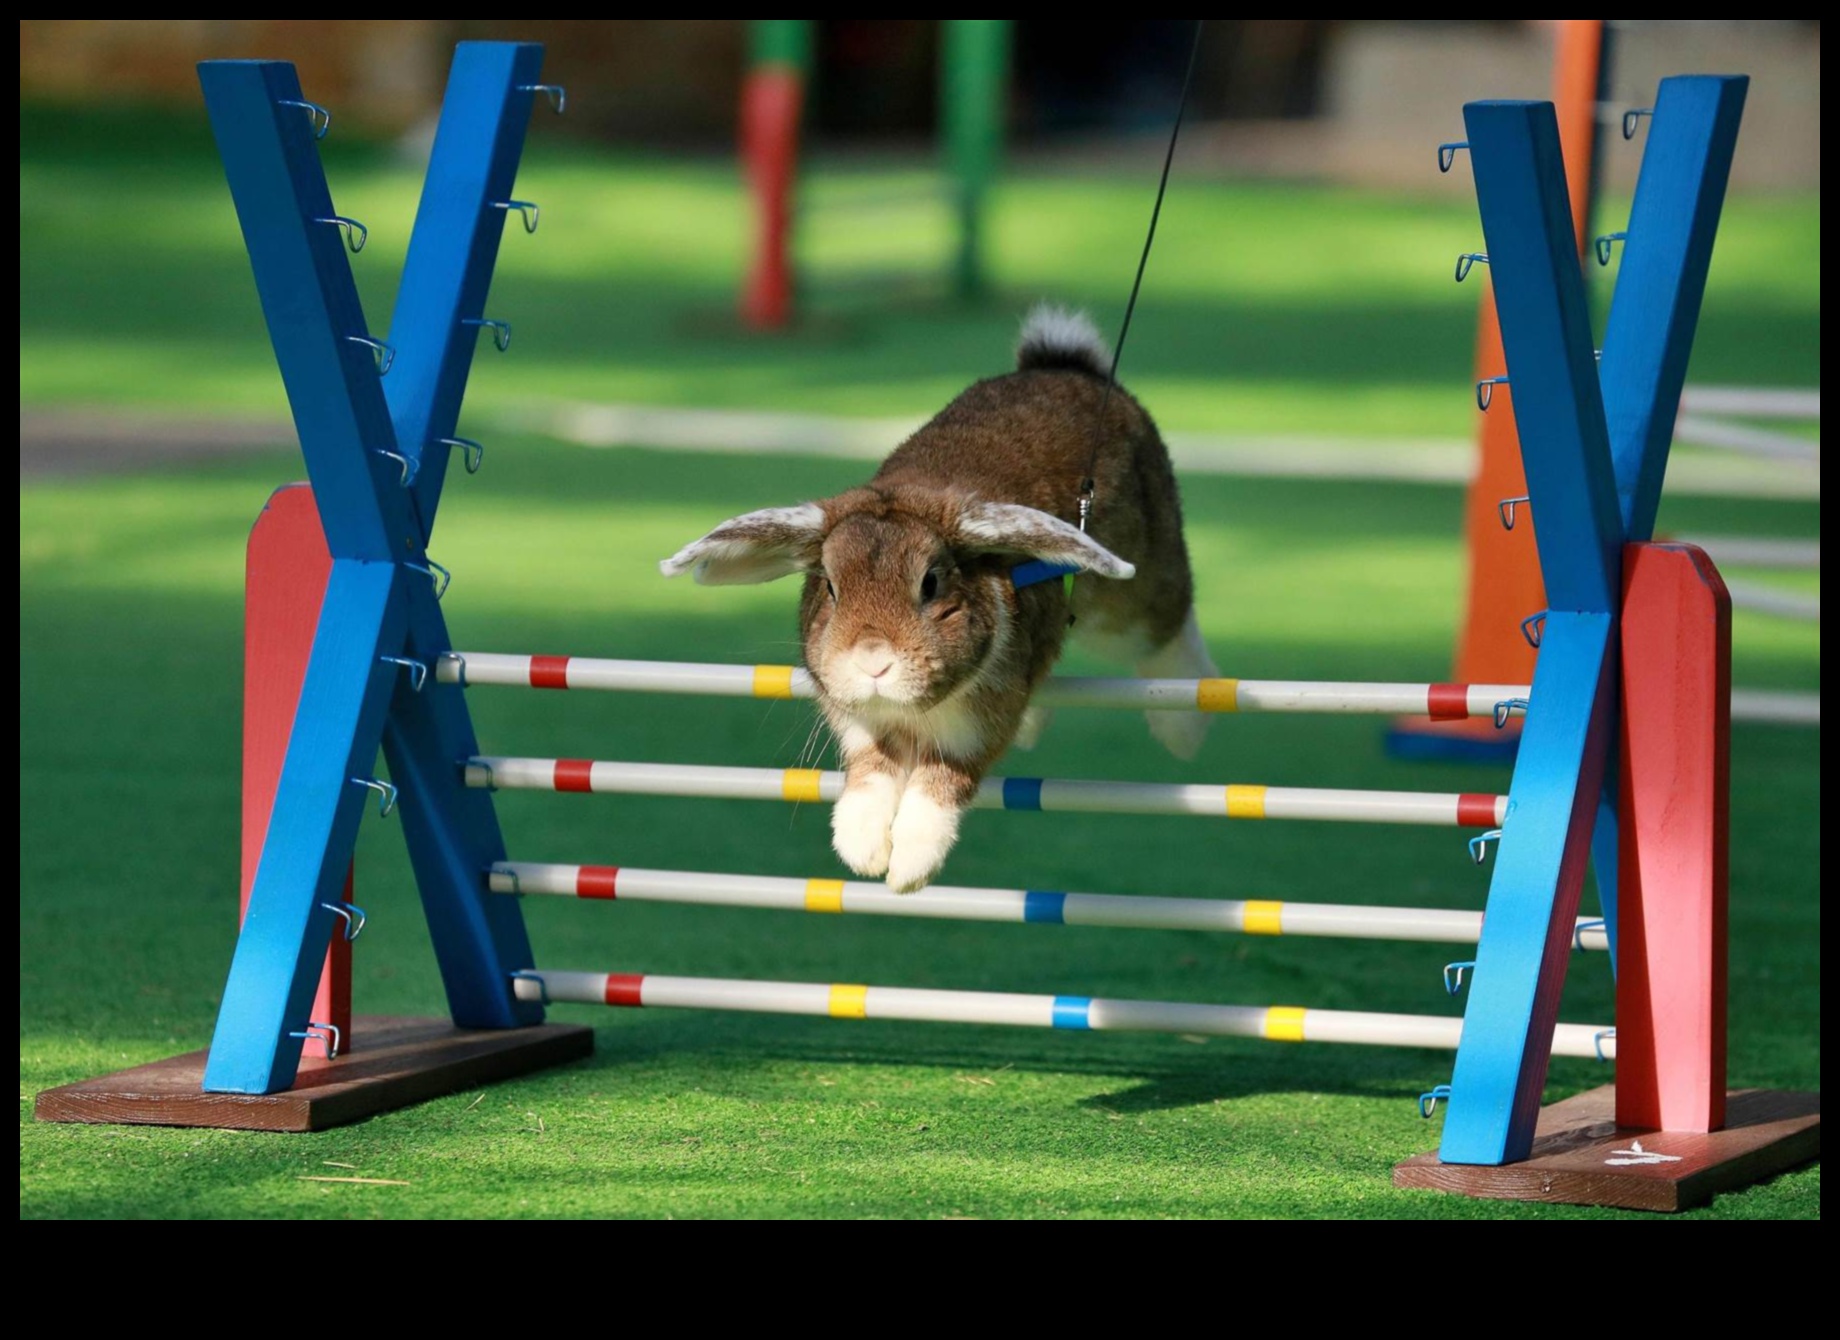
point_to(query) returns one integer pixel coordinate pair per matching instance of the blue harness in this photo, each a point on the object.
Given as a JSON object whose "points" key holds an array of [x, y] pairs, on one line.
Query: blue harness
{"points": [[1036, 571]]}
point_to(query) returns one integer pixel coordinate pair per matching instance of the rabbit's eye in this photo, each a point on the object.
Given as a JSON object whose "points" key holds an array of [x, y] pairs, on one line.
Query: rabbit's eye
{"points": [[830, 588], [929, 586]]}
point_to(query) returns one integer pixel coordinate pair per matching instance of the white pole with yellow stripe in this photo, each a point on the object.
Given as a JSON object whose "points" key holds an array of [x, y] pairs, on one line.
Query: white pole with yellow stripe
{"points": [[1276, 1023], [1438, 701], [607, 777], [1034, 906]]}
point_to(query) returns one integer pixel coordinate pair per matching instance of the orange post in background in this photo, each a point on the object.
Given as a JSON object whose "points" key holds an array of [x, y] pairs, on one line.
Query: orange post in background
{"points": [[1504, 565], [288, 566]]}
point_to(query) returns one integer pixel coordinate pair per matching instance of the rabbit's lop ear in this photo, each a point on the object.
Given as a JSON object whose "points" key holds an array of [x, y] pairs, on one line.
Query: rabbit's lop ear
{"points": [[1010, 528], [758, 547]]}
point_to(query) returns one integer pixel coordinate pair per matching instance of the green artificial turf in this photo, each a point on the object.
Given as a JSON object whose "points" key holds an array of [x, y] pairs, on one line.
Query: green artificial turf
{"points": [[1280, 309]]}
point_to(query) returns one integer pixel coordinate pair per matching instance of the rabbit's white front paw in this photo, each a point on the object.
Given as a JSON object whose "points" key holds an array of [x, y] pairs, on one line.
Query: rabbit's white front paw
{"points": [[860, 823], [924, 832]]}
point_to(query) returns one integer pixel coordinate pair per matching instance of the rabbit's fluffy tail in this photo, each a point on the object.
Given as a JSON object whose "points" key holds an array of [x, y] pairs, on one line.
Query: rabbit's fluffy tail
{"points": [[1059, 337]]}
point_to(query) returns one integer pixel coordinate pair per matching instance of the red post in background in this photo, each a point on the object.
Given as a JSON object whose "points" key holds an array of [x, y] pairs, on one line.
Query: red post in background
{"points": [[1504, 566], [772, 101], [1673, 870], [285, 580]]}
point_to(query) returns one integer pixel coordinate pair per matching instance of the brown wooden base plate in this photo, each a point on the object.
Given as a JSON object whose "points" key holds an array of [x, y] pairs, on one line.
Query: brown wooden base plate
{"points": [[397, 1062], [1582, 1157]]}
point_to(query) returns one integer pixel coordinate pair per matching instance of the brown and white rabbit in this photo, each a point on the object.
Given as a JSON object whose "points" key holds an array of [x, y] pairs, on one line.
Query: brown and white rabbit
{"points": [[923, 649]]}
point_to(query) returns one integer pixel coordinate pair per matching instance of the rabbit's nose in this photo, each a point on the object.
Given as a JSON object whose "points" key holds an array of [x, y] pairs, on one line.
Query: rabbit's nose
{"points": [[874, 659]]}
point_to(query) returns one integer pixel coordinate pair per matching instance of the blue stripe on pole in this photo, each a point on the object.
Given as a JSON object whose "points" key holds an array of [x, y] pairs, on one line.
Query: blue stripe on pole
{"points": [[1073, 1011], [1022, 793], [1035, 571], [1047, 908]]}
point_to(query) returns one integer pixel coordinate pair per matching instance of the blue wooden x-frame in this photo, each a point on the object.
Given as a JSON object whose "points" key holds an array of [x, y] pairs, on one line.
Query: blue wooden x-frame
{"points": [[1594, 439], [376, 450]]}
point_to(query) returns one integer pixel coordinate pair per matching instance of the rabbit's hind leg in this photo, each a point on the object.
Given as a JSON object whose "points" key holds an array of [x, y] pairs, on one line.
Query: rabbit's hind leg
{"points": [[1184, 656]]}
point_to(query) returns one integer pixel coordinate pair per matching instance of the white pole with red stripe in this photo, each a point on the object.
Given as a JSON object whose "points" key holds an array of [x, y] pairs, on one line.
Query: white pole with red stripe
{"points": [[1234, 801], [1277, 1023], [1440, 702], [1042, 907]]}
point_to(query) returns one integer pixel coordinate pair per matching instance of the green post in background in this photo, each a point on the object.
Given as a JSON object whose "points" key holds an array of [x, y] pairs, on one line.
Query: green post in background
{"points": [[973, 79]]}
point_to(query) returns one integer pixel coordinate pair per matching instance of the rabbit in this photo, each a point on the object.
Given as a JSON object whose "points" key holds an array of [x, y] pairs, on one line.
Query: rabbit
{"points": [[922, 646]]}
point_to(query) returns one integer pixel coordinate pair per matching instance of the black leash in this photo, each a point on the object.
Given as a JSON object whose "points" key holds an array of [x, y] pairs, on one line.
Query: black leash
{"points": [[1087, 485]]}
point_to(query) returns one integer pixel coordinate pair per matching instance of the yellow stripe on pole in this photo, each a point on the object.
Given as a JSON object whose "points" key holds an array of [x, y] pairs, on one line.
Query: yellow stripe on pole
{"points": [[824, 895], [1245, 802], [1217, 695], [772, 681], [800, 784], [1283, 1023], [852, 1002], [1264, 918]]}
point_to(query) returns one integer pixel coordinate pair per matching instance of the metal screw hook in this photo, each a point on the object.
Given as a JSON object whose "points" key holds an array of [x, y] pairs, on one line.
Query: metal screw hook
{"points": [[1479, 845], [383, 789], [1485, 392], [356, 234], [418, 671], [1578, 935], [1632, 117], [523, 207], [526, 975], [1602, 245], [1533, 628], [501, 331], [330, 1032], [380, 352], [475, 452], [354, 916], [1453, 975], [318, 117], [437, 574], [1597, 1042], [1506, 508], [409, 468], [1447, 154], [1467, 260], [1506, 708], [558, 95], [1427, 1102]]}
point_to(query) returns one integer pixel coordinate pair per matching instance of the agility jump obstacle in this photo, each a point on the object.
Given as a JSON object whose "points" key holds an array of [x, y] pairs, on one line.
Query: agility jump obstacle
{"points": [[1633, 667]]}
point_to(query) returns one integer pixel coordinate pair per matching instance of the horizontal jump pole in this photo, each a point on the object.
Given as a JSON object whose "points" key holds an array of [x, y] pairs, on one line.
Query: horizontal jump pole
{"points": [[1440, 702], [1035, 906], [1469, 810], [1277, 1023]]}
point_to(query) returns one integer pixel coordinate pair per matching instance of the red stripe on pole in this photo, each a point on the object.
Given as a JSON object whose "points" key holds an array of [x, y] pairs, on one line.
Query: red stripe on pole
{"points": [[574, 774], [1448, 702], [596, 881], [549, 672], [1475, 811], [623, 988]]}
